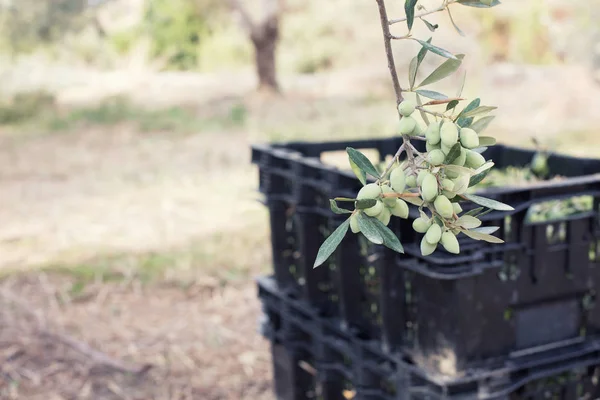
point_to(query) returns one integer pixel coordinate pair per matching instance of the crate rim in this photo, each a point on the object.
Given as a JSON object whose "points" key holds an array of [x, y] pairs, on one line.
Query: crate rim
{"points": [[286, 150]]}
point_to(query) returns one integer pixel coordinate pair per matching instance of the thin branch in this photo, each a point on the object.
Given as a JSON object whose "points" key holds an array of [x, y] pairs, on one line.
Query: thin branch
{"points": [[440, 8], [387, 38], [437, 114], [393, 161]]}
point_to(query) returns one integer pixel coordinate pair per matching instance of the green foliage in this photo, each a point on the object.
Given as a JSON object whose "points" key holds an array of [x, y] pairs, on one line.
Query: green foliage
{"points": [[26, 24], [444, 173], [25, 106], [175, 28]]}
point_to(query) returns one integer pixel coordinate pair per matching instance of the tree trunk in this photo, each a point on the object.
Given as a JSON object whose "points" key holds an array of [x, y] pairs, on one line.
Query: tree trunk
{"points": [[265, 38]]}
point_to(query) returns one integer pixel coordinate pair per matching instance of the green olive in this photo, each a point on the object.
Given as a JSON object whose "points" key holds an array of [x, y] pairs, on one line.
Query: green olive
{"points": [[400, 209], [384, 216], [474, 159], [450, 242], [449, 134], [421, 225], [443, 206], [433, 133], [375, 210], [370, 191], [436, 157], [434, 234], [429, 187], [388, 201], [411, 181], [398, 180], [406, 108], [469, 138], [426, 247], [457, 208], [407, 125]]}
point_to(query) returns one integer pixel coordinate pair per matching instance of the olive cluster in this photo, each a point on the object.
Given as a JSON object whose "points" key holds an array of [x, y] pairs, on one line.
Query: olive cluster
{"points": [[437, 177]]}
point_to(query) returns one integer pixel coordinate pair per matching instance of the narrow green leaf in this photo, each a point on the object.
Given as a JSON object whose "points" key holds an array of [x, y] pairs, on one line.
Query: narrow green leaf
{"points": [[481, 124], [452, 105], [365, 203], [331, 243], [474, 211], [423, 113], [462, 85], [390, 240], [459, 170], [479, 111], [471, 106], [430, 26], [468, 222], [437, 50], [478, 178], [422, 53], [464, 122], [369, 229], [478, 4], [484, 167], [430, 94], [412, 71], [486, 141], [334, 207], [417, 201], [360, 174], [446, 69], [489, 203], [409, 8], [453, 153], [487, 229], [461, 33], [362, 161], [482, 236]]}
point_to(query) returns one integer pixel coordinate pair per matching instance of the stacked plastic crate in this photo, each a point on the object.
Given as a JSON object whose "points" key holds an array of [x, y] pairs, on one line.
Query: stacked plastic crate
{"points": [[512, 321]]}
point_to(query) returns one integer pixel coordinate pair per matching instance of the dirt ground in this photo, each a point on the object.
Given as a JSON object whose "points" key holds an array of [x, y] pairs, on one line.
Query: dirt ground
{"points": [[98, 201]]}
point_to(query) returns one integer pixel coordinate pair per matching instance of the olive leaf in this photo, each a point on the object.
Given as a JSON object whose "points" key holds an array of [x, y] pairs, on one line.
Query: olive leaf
{"points": [[365, 203], [390, 240], [452, 105], [487, 229], [478, 178], [362, 162], [446, 69], [464, 122], [430, 26], [482, 236], [459, 170], [430, 94], [489, 203], [461, 33], [453, 153], [468, 222], [334, 207], [360, 174], [415, 63], [486, 141], [409, 8], [423, 113], [481, 124], [369, 229], [479, 4], [437, 50], [331, 243], [471, 106], [474, 211], [479, 111]]}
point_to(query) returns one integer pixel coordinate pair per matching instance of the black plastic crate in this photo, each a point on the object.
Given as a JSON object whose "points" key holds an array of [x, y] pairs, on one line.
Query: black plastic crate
{"points": [[314, 359], [536, 290]]}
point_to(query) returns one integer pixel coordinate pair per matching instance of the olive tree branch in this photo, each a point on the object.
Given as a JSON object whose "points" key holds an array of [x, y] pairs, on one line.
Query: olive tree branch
{"points": [[387, 38], [444, 5]]}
